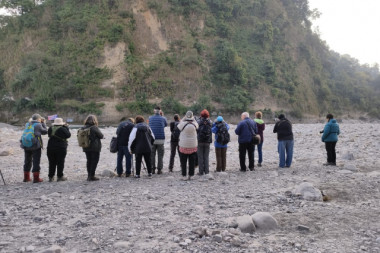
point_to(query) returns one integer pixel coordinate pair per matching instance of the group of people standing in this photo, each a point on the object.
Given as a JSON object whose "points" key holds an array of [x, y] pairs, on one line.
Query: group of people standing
{"points": [[191, 138]]}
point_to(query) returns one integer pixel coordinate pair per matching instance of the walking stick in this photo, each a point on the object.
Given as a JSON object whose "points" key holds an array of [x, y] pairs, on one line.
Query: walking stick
{"points": [[1, 173], [133, 167]]}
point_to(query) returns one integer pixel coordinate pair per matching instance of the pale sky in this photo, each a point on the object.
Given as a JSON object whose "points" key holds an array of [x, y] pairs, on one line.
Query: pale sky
{"points": [[350, 27]]}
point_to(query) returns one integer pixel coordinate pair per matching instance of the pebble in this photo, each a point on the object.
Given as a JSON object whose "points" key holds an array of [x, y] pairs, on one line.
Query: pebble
{"points": [[303, 228], [217, 238], [30, 248], [122, 245], [53, 249], [130, 234], [176, 239]]}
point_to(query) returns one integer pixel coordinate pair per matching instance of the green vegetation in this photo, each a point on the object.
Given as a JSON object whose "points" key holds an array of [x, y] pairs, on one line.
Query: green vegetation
{"points": [[225, 51]]}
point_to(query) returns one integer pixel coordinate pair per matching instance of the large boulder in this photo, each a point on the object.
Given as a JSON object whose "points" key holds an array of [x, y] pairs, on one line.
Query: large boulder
{"points": [[264, 221], [6, 152], [108, 173], [309, 192], [245, 224]]}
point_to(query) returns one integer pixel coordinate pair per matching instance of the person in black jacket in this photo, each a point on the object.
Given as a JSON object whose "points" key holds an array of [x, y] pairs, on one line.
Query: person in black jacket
{"points": [[140, 143], [285, 138], [204, 141], [57, 148], [123, 132], [174, 140], [93, 152]]}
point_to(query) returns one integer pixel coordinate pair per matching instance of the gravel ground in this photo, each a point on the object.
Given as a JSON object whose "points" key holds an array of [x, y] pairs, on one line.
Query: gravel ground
{"points": [[160, 214]]}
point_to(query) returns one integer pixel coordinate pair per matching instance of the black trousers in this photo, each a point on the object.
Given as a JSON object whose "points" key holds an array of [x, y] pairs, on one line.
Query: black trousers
{"points": [[32, 157], [243, 149], [331, 154], [173, 149], [56, 161], [92, 162], [147, 162], [187, 157]]}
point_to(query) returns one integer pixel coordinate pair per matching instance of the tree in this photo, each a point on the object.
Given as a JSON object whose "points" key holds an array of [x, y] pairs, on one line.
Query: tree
{"points": [[237, 99], [19, 7]]}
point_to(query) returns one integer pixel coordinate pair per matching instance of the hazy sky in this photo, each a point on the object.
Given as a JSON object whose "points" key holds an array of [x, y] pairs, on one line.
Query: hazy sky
{"points": [[350, 27]]}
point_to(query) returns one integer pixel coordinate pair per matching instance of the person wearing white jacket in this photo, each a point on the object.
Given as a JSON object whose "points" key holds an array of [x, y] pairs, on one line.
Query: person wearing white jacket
{"points": [[188, 143]]}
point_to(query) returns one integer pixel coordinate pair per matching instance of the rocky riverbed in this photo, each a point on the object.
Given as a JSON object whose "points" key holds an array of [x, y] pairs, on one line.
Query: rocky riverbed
{"points": [[268, 210]]}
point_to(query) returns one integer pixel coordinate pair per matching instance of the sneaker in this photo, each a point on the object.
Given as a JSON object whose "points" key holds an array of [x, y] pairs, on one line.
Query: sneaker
{"points": [[63, 178], [259, 164], [137, 176], [150, 175], [127, 175], [287, 166], [200, 174], [118, 175], [93, 178], [184, 178], [327, 164], [333, 164], [51, 179], [159, 171], [243, 170], [253, 169], [190, 178]]}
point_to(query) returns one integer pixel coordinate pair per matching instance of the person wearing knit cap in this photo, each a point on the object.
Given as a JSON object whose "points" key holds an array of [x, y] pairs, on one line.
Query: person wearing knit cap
{"points": [[188, 144], [158, 123], [204, 141], [123, 131], [283, 128], [220, 148], [33, 154], [260, 127], [174, 139]]}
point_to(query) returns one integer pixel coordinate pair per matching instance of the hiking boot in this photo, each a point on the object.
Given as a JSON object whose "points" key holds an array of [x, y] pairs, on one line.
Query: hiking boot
{"points": [[253, 169], [241, 170], [190, 177], [36, 177], [170, 169], [63, 178], [154, 170], [27, 177], [200, 174], [51, 179], [127, 175], [119, 175], [150, 176], [259, 164], [159, 172], [184, 178], [327, 164], [137, 176], [93, 178], [333, 164]]}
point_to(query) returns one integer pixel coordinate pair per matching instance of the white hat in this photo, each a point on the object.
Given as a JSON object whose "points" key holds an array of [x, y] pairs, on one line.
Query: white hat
{"points": [[58, 122]]}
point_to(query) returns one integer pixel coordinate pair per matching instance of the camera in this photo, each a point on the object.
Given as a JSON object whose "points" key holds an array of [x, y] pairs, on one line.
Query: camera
{"points": [[321, 132]]}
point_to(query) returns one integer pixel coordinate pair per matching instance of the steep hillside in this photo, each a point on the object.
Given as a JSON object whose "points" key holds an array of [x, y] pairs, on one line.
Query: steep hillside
{"points": [[111, 57]]}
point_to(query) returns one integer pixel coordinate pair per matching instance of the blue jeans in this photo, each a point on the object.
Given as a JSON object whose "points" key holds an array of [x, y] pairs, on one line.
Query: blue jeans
{"points": [[260, 151], [285, 147], [123, 151]]}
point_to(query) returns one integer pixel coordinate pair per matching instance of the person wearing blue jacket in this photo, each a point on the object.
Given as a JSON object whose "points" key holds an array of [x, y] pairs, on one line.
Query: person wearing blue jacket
{"points": [[330, 138], [158, 123], [246, 129], [220, 150]]}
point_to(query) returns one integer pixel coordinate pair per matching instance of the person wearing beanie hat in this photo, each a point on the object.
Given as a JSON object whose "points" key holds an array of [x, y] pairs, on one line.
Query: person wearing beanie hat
{"points": [[158, 123], [204, 141], [174, 139], [57, 149], [285, 138], [33, 154], [123, 132], [188, 144], [220, 127], [260, 127]]}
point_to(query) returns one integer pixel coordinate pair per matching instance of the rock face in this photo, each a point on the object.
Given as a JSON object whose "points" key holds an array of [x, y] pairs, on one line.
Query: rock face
{"points": [[264, 221], [53, 249], [309, 192], [245, 224], [6, 152]]}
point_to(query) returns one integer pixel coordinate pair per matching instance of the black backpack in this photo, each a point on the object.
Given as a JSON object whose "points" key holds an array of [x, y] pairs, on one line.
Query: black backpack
{"points": [[204, 131], [223, 135], [176, 133]]}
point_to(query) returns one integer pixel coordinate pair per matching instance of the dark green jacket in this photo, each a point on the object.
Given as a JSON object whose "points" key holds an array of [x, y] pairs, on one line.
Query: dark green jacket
{"points": [[95, 137]]}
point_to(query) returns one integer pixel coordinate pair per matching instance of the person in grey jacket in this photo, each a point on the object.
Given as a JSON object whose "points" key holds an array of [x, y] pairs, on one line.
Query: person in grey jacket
{"points": [[33, 155]]}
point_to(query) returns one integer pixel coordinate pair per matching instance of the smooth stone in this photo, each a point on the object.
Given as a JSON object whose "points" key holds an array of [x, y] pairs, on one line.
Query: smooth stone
{"points": [[108, 173], [176, 239], [350, 167], [217, 238], [5, 243], [344, 171], [30, 248], [209, 177], [309, 192], [264, 221], [53, 249], [303, 228], [245, 224], [6, 152], [121, 245]]}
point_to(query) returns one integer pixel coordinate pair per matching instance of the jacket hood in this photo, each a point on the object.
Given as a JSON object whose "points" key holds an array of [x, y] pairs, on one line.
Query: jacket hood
{"points": [[142, 126], [259, 121], [332, 121]]}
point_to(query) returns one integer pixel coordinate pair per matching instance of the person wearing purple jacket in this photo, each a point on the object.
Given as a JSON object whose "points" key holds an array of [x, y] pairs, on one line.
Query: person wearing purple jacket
{"points": [[260, 127]]}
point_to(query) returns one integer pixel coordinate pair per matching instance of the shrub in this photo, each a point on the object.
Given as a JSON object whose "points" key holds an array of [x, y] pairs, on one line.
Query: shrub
{"points": [[172, 105], [296, 113], [237, 99], [141, 105], [203, 102]]}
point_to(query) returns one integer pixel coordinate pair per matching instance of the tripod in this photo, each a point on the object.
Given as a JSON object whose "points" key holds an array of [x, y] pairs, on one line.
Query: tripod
{"points": [[1, 173]]}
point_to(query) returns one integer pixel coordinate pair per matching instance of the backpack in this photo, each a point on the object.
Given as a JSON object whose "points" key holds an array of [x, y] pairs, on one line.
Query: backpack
{"points": [[204, 131], [54, 129], [83, 136], [223, 135], [114, 147], [28, 139], [176, 133]]}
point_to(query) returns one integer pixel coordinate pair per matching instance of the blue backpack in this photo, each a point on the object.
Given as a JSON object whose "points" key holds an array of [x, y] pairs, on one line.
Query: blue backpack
{"points": [[28, 139]]}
